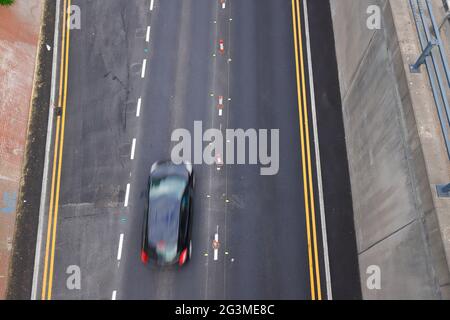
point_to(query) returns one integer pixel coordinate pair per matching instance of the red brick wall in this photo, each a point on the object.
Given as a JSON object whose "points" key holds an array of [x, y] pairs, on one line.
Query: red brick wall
{"points": [[19, 31]]}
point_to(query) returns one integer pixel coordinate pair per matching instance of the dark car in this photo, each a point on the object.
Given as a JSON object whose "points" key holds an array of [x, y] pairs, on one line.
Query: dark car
{"points": [[166, 236]]}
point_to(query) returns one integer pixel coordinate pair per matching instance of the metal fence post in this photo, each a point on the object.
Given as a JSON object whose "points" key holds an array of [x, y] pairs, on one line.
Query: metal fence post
{"points": [[415, 68], [443, 191]]}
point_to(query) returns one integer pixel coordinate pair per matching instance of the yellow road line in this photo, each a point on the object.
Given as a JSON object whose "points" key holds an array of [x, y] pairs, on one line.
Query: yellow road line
{"points": [[49, 225], [302, 141], [56, 146], [308, 150], [58, 184]]}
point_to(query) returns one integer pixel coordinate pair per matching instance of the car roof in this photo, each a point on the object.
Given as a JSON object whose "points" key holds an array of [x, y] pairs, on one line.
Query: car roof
{"points": [[165, 209], [163, 221]]}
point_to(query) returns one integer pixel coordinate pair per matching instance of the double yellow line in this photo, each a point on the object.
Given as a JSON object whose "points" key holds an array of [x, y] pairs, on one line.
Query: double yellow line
{"points": [[47, 281], [311, 234]]}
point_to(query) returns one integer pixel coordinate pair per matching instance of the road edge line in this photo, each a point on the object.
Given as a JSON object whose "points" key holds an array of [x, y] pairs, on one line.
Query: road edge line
{"points": [[47, 159], [318, 162]]}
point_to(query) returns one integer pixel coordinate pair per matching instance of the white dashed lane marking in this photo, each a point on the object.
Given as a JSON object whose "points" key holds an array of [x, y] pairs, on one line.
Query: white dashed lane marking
{"points": [[147, 37], [144, 66], [127, 195], [138, 110], [133, 149], [119, 251]]}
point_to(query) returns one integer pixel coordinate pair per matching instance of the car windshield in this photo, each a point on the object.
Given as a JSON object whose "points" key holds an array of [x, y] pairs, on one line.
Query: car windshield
{"points": [[165, 199], [172, 187]]}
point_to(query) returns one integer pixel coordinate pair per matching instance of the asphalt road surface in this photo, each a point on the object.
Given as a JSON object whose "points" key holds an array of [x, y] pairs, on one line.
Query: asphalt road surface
{"points": [[137, 70]]}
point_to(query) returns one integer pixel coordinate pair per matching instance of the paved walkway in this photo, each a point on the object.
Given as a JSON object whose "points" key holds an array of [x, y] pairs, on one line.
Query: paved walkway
{"points": [[19, 32]]}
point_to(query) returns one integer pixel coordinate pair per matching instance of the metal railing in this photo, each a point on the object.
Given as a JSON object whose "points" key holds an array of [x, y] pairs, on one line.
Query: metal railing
{"points": [[434, 58]]}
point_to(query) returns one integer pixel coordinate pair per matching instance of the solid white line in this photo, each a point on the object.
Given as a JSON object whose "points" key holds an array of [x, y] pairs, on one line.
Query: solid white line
{"points": [[318, 164], [151, 5], [133, 149], [114, 294], [119, 251], [144, 66], [127, 195], [147, 38], [138, 111], [37, 256]]}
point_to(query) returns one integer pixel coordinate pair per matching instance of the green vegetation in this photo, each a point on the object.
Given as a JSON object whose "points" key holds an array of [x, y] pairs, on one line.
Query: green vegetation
{"points": [[6, 2]]}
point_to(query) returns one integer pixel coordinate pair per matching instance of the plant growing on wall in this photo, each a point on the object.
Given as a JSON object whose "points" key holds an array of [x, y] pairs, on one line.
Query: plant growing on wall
{"points": [[6, 2]]}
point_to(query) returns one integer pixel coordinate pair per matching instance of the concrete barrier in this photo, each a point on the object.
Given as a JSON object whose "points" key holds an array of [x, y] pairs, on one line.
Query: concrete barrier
{"points": [[396, 153]]}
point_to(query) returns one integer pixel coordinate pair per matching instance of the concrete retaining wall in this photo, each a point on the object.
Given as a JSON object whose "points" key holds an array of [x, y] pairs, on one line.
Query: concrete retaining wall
{"points": [[396, 153]]}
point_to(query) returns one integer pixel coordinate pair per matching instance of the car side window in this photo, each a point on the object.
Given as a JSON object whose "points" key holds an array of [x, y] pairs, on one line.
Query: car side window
{"points": [[184, 201], [184, 214]]}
